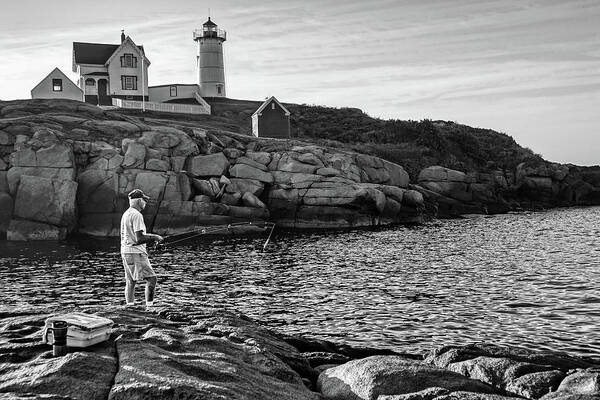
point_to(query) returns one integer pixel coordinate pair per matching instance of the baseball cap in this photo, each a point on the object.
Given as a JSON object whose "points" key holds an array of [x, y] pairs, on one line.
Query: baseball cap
{"points": [[138, 194]]}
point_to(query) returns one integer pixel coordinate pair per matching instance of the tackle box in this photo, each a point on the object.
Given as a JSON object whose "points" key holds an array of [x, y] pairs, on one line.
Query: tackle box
{"points": [[83, 329]]}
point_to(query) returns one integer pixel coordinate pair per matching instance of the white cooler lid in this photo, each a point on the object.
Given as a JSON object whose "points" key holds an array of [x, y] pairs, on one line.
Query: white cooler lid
{"points": [[82, 321]]}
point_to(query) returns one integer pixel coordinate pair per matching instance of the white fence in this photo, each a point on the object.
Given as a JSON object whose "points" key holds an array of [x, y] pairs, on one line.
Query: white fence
{"points": [[161, 107]]}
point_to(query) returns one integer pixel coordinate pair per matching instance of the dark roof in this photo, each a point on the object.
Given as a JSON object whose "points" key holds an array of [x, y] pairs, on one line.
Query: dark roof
{"points": [[94, 53], [209, 23]]}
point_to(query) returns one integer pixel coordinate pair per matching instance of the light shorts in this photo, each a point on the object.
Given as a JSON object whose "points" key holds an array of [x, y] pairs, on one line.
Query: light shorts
{"points": [[137, 266]]}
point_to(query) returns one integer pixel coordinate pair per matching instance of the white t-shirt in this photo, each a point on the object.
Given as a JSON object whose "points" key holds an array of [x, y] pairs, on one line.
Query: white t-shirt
{"points": [[131, 222]]}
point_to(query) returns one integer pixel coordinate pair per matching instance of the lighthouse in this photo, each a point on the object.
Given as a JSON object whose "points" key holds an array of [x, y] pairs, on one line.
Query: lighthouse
{"points": [[209, 62]]}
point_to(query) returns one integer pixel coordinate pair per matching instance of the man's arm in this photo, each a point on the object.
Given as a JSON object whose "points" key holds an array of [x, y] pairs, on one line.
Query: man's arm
{"points": [[141, 237]]}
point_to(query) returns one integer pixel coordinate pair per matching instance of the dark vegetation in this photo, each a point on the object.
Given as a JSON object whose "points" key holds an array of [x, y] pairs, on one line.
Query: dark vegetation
{"points": [[412, 144]]}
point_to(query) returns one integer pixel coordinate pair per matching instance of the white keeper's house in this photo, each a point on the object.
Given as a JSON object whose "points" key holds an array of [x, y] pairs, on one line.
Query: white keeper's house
{"points": [[111, 71]]}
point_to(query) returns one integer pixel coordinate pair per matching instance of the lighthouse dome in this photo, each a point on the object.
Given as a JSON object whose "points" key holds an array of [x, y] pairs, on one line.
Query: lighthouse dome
{"points": [[209, 23]]}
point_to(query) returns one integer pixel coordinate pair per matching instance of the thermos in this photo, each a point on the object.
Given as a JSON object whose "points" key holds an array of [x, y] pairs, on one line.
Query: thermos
{"points": [[59, 332]]}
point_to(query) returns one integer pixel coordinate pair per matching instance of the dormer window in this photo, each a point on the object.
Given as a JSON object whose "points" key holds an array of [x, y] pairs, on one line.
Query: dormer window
{"points": [[128, 61], [57, 85]]}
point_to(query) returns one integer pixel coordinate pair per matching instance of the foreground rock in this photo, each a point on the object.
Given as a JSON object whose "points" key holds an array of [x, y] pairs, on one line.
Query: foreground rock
{"points": [[205, 354], [372, 377], [66, 168], [216, 354], [522, 373]]}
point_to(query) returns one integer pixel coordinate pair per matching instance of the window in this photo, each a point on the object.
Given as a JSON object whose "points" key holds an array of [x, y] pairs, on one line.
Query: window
{"points": [[173, 91], [128, 82], [219, 88], [128, 61], [90, 82], [57, 85], [272, 106]]}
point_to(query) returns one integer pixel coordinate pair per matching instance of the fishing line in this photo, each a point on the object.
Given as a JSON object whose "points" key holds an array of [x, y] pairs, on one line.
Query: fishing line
{"points": [[199, 232]]}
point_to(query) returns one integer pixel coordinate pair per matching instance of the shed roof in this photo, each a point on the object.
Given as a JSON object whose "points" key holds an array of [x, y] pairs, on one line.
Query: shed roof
{"points": [[267, 102]]}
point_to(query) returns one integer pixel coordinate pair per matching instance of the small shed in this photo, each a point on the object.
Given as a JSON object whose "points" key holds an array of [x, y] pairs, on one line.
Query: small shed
{"points": [[271, 119], [56, 85]]}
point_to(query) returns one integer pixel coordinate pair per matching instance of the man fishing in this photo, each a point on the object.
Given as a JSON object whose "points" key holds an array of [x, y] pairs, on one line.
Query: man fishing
{"points": [[133, 249]]}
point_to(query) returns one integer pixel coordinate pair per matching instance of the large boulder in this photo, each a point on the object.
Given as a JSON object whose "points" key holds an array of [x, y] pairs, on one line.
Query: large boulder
{"points": [[96, 191], [201, 367], [366, 197], [580, 384], [46, 200], [259, 156], [152, 183], [177, 187], [244, 171], [13, 175], [204, 187], [440, 174], [209, 165], [515, 371], [77, 375], [251, 162], [287, 163], [250, 200], [179, 143], [517, 377], [371, 377], [54, 156], [134, 156], [446, 182], [397, 175], [253, 186]]}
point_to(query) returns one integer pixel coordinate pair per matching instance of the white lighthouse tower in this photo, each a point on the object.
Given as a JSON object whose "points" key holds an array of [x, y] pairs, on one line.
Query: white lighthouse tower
{"points": [[211, 70]]}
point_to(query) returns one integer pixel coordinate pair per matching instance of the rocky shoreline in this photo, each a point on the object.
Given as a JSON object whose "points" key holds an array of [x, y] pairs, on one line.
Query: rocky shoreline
{"points": [[65, 167], [212, 353]]}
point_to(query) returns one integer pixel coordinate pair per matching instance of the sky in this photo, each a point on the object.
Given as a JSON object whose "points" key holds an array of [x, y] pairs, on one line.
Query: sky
{"points": [[527, 68]]}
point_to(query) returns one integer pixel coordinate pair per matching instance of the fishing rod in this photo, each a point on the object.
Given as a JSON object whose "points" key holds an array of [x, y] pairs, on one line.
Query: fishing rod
{"points": [[204, 231]]}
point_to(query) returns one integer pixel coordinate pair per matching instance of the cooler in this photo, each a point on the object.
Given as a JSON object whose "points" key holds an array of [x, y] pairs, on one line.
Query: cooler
{"points": [[83, 329]]}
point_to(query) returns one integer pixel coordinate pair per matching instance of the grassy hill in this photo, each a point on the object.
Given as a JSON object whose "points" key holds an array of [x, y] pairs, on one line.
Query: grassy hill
{"points": [[412, 144]]}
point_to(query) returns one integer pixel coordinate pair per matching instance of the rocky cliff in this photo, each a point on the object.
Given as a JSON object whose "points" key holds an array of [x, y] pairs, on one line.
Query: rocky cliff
{"points": [[531, 185], [66, 167]]}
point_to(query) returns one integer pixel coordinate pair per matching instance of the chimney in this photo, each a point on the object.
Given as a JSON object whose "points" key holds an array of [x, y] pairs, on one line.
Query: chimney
{"points": [[122, 35]]}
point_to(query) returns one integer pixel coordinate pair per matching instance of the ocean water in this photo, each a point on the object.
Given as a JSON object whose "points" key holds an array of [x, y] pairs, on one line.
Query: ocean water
{"points": [[529, 279]]}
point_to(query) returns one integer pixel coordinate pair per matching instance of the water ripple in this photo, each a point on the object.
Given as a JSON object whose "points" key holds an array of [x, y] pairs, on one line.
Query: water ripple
{"points": [[530, 280]]}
